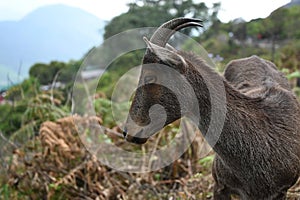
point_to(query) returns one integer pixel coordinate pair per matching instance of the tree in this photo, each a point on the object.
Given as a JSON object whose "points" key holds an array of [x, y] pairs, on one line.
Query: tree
{"points": [[45, 73], [152, 13], [136, 17], [68, 73], [142, 13]]}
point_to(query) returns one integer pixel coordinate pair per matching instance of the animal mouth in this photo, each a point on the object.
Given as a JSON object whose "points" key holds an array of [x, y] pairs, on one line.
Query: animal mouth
{"points": [[135, 139]]}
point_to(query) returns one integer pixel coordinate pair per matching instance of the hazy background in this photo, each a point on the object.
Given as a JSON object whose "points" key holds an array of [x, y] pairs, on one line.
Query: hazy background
{"points": [[40, 31]]}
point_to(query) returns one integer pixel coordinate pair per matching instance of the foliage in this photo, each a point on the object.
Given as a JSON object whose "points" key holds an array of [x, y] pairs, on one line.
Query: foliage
{"points": [[68, 73], [135, 18], [50, 160], [29, 107], [145, 13], [46, 73], [11, 118], [279, 25], [289, 57], [55, 71], [27, 89], [118, 68], [44, 107], [103, 108], [156, 13], [108, 110], [12, 113], [60, 168], [272, 38]]}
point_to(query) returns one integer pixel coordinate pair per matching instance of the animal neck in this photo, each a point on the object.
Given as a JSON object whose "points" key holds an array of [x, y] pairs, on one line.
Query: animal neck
{"points": [[221, 106]]}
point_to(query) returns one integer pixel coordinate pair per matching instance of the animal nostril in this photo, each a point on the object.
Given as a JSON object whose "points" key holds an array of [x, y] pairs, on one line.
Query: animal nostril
{"points": [[125, 132]]}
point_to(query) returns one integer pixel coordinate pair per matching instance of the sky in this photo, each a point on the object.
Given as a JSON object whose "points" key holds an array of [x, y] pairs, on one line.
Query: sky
{"points": [[230, 9]]}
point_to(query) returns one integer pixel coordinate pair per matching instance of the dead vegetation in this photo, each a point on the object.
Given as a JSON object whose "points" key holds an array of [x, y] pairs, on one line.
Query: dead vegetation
{"points": [[56, 165]]}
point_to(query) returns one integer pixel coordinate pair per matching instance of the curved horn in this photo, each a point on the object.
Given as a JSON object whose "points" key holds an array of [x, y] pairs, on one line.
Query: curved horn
{"points": [[161, 36]]}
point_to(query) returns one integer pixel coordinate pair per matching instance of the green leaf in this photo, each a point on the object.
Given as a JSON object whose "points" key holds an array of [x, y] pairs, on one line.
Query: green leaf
{"points": [[295, 74]]}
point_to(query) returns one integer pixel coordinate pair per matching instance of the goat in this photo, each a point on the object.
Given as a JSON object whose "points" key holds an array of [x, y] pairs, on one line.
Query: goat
{"points": [[258, 150]]}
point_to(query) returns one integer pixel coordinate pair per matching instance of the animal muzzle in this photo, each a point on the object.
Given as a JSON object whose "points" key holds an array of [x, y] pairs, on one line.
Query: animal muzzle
{"points": [[137, 138]]}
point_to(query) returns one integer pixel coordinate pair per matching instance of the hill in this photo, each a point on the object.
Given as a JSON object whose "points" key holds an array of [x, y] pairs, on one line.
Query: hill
{"points": [[292, 3], [55, 32]]}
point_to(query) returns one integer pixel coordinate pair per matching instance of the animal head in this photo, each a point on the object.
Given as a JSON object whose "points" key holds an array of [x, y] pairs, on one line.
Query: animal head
{"points": [[155, 104]]}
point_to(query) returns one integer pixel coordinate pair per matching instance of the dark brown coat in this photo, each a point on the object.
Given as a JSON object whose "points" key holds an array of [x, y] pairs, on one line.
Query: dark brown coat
{"points": [[258, 150]]}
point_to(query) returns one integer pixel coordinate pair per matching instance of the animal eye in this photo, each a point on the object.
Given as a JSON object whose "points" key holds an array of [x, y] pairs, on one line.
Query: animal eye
{"points": [[150, 79]]}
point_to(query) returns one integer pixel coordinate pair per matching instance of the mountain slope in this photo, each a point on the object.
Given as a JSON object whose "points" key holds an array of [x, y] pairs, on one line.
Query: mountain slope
{"points": [[55, 32], [292, 3]]}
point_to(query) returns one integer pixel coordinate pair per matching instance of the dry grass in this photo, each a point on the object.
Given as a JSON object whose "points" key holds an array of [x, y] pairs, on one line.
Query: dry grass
{"points": [[55, 165]]}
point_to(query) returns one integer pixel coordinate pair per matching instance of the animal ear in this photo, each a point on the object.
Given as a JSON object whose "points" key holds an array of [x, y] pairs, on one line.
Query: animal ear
{"points": [[170, 48], [168, 55]]}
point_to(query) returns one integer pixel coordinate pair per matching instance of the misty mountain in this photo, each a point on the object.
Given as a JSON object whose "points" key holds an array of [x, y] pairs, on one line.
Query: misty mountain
{"points": [[55, 32]]}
